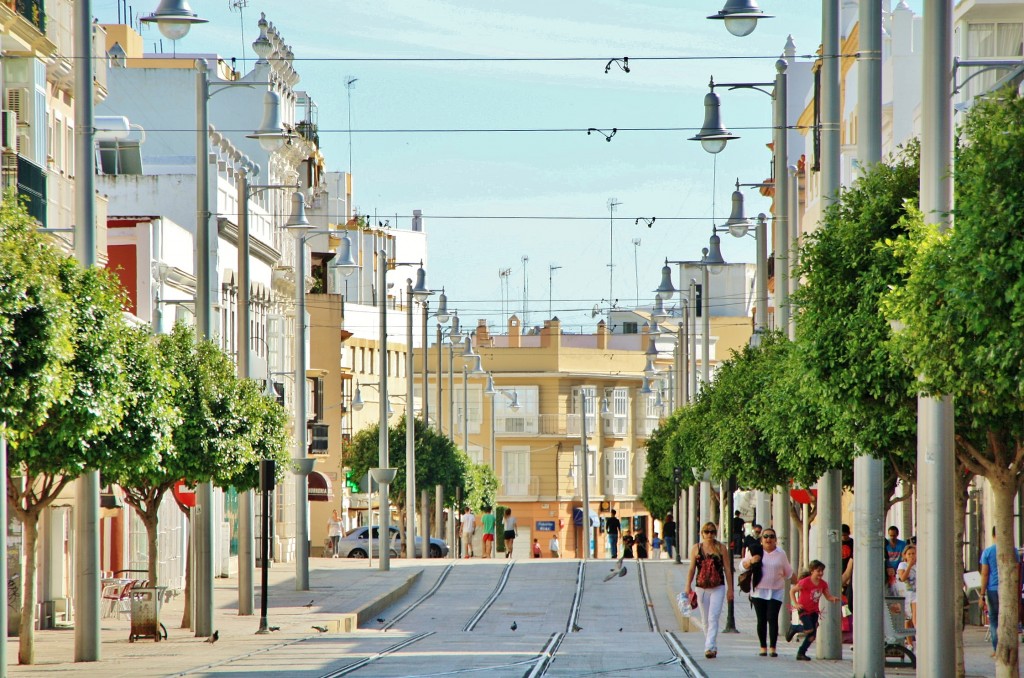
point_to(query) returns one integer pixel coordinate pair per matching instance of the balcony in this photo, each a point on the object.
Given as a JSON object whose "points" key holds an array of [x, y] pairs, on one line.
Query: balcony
{"points": [[31, 182], [645, 426], [521, 487], [32, 10], [308, 131], [517, 425]]}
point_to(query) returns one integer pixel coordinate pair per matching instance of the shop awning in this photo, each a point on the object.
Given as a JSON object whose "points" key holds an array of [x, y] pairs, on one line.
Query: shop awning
{"points": [[318, 487]]}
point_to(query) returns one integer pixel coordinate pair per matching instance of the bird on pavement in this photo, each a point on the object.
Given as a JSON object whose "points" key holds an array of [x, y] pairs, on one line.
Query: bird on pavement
{"points": [[321, 629], [214, 638], [380, 620], [576, 628], [309, 604], [275, 628], [514, 626]]}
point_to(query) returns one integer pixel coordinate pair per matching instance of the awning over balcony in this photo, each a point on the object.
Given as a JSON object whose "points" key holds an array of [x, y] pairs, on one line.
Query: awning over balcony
{"points": [[318, 487]]}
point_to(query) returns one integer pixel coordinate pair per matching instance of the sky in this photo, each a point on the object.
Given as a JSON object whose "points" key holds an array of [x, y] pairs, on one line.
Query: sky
{"points": [[491, 198]]}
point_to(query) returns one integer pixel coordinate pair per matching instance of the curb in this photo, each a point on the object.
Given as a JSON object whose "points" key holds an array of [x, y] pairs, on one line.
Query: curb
{"points": [[351, 621]]}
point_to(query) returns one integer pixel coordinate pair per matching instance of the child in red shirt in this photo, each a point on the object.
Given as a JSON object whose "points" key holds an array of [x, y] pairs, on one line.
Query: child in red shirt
{"points": [[805, 595]]}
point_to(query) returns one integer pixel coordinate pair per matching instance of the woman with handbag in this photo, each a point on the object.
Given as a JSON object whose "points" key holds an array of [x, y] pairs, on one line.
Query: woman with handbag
{"points": [[769, 590], [711, 574]]}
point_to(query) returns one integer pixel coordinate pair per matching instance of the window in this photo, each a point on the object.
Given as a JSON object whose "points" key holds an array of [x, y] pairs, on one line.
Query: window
{"points": [[590, 404], [475, 454], [516, 474], [591, 469], [995, 40], [630, 328], [616, 470], [523, 420]]}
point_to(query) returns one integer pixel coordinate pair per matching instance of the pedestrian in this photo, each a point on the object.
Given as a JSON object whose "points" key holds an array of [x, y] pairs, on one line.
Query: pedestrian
{"points": [[669, 530], [334, 530], [536, 548], [656, 547], [738, 534], [640, 544], [554, 546], [894, 548], [753, 540], [990, 585], [468, 528], [612, 526], [487, 522], [510, 532], [711, 573], [806, 594], [907, 574], [846, 549], [627, 544], [769, 592]]}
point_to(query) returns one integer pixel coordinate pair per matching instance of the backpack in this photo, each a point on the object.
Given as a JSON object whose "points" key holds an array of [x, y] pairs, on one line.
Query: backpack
{"points": [[709, 575]]}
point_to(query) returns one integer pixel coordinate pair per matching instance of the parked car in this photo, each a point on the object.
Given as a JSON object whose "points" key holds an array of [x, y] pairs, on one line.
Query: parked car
{"points": [[354, 544]]}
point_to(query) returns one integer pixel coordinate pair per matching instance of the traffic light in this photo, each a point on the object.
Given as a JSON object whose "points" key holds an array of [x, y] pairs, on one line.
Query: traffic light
{"points": [[351, 483], [677, 474]]}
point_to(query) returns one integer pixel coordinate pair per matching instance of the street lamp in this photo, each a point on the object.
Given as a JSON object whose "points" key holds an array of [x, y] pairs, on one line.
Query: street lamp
{"points": [[442, 316], [738, 226], [174, 18], [740, 16], [418, 293]]}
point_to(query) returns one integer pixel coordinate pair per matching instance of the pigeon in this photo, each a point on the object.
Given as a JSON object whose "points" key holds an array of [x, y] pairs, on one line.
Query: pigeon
{"points": [[214, 638], [620, 629], [576, 628], [380, 620], [619, 571], [275, 628], [321, 629], [514, 626], [309, 604]]}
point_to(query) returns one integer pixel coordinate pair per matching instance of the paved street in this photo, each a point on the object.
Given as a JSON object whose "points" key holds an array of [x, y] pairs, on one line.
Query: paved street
{"points": [[444, 617]]}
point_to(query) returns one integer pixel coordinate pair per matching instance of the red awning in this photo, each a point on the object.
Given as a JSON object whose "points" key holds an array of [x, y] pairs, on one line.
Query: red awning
{"points": [[802, 496], [318, 487]]}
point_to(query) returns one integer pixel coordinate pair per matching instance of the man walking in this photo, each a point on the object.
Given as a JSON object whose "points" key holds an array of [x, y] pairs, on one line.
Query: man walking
{"points": [[737, 535], [468, 528], [669, 530], [990, 585], [487, 520], [612, 527]]}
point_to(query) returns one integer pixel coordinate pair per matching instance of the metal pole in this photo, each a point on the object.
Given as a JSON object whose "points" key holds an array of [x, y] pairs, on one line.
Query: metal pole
{"points": [[87, 517], [425, 522], [246, 543], [692, 527], [440, 371], [705, 498], [687, 367], [705, 332], [584, 471], [935, 452], [830, 485], [264, 558], [410, 431], [693, 341], [730, 609], [202, 524], [781, 197], [426, 368], [679, 522], [301, 415], [868, 501], [465, 410], [439, 510], [780, 523], [451, 390], [382, 454], [369, 518], [761, 275], [3, 560], [680, 390]]}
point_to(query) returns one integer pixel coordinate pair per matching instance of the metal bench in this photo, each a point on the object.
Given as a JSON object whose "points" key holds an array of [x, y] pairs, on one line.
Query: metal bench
{"points": [[897, 654]]}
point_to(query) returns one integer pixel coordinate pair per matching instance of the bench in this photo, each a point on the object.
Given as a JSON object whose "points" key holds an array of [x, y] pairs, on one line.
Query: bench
{"points": [[897, 654]]}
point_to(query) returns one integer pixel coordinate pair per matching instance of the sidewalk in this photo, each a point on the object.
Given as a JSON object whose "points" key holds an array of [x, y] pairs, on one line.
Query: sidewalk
{"points": [[738, 652], [328, 603]]}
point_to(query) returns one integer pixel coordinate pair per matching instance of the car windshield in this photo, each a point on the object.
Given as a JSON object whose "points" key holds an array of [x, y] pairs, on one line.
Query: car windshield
{"points": [[360, 533]]}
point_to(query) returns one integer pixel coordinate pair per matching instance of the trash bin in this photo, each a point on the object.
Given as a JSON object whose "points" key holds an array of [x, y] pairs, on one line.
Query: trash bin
{"points": [[145, 608]]}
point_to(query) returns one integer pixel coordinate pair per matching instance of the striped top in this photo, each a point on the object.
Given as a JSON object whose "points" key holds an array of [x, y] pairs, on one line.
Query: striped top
{"points": [[775, 570]]}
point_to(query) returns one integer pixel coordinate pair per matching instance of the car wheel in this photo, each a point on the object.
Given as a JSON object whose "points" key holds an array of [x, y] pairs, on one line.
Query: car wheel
{"points": [[435, 551], [357, 553]]}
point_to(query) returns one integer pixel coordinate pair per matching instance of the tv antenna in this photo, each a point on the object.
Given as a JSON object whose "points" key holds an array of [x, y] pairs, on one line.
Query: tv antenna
{"points": [[240, 5], [350, 83]]}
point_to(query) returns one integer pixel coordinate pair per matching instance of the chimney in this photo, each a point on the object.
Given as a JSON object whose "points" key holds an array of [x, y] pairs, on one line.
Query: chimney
{"points": [[602, 334], [552, 328], [514, 333], [417, 221], [483, 336]]}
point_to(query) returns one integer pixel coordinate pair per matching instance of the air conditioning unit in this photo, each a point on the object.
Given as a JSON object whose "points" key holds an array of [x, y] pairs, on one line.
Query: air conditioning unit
{"points": [[515, 425], [9, 130]]}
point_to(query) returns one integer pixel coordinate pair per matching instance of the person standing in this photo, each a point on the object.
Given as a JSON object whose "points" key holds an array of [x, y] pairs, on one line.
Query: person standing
{"points": [[846, 548], [669, 530], [487, 522], [612, 526], [536, 548], [640, 542], [770, 591], [334, 529], [711, 573], [990, 585], [806, 595], [656, 544], [738, 535], [510, 532], [468, 528], [894, 549], [907, 574], [554, 546]]}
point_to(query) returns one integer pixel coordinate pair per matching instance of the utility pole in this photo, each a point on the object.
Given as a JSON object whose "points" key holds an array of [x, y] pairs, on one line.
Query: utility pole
{"points": [[636, 269], [551, 273], [350, 83], [526, 294], [612, 204]]}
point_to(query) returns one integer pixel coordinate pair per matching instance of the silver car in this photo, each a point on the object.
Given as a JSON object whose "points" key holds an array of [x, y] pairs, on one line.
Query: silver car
{"points": [[354, 544]]}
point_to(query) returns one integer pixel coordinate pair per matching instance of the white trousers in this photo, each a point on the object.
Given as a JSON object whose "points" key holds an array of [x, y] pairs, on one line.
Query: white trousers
{"points": [[710, 601]]}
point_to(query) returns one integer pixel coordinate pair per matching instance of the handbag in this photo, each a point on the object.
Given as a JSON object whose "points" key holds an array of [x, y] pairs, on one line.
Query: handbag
{"points": [[745, 580], [693, 600]]}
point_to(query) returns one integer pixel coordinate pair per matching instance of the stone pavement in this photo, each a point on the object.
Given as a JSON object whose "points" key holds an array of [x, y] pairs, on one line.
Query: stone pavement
{"points": [[348, 593]]}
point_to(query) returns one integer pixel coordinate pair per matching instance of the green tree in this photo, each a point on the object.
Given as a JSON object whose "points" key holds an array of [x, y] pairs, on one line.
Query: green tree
{"points": [[963, 313], [658, 491], [842, 335], [46, 458], [481, 486], [438, 461]]}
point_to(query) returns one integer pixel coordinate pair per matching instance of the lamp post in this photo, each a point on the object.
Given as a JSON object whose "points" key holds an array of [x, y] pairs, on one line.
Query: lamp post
{"points": [[420, 293], [740, 16], [442, 316], [452, 333]]}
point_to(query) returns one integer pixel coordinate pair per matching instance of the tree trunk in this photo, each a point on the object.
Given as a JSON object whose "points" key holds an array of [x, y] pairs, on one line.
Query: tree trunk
{"points": [[186, 616], [27, 628], [1004, 487], [152, 523], [961, 484]]}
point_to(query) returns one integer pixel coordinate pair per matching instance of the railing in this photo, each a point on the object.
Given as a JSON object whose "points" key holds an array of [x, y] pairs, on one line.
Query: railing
{"points": [[511, 425], [32, 185], [308, 131], [572, 422], [551, 424]]}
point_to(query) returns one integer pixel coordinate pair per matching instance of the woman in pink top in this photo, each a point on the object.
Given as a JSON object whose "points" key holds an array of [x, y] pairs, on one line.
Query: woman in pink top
{"points": [[770, 591]]}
